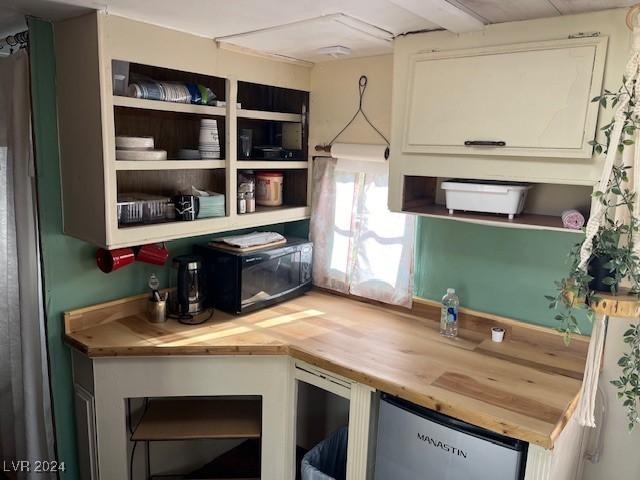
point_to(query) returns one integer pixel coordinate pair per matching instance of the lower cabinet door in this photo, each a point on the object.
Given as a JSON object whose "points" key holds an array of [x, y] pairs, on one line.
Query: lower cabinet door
{"points": [[86, 432]]}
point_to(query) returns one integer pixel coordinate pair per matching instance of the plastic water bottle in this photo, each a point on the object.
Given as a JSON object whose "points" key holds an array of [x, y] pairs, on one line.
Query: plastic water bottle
{"points": [[449, 314]]}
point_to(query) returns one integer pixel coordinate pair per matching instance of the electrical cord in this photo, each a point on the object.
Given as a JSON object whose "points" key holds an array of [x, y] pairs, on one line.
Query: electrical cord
{"points": [[362, 87], [133, 452], [131, 430]]}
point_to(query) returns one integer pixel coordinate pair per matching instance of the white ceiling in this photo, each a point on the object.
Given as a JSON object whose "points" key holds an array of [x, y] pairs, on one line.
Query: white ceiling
{"points": [[300, 31]]}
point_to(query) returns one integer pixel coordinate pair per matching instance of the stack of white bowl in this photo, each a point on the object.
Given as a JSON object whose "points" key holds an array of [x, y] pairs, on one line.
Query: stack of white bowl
{"points": [[209, 140], [137, 148]]}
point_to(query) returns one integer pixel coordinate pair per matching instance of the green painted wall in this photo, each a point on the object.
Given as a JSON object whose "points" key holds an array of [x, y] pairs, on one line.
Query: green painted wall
{"points": [[70, 274], [505, 271]]}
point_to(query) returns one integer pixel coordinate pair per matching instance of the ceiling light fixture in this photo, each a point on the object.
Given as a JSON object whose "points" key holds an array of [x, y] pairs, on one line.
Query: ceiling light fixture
{"points": [[335, 51]]}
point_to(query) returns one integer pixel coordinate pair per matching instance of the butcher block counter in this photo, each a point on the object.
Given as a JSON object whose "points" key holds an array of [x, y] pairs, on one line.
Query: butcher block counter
{"points": [[525, 387]]}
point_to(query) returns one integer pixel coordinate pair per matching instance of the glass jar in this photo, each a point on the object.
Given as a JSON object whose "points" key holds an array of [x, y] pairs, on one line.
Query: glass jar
{"points": [[242, 203], [250, 200]]}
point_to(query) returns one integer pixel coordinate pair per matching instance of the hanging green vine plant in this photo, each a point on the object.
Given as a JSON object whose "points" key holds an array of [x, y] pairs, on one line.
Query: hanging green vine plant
{"points": [[612, 256]]}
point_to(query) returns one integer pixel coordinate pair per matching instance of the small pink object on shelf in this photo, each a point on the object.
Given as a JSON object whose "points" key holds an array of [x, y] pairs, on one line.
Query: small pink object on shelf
{"points": [[572, 219]]}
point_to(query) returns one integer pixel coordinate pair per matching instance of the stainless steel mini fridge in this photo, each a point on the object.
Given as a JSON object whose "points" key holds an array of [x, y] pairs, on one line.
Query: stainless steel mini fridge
{"points": [[415, 443]]}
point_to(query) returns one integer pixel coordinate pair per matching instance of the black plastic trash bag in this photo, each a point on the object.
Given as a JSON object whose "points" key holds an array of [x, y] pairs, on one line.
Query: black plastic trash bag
{"points": [[328, 459]]}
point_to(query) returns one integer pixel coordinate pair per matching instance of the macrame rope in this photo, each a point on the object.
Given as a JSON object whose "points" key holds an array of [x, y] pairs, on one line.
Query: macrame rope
{"points": [[597, 215]]}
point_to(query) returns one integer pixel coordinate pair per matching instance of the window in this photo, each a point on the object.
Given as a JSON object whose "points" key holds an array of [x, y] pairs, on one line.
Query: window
{"points": [[360, 247]]}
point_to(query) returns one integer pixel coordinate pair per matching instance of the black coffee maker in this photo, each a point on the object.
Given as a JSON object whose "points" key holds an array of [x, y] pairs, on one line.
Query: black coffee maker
{"points": [[187, 302]]}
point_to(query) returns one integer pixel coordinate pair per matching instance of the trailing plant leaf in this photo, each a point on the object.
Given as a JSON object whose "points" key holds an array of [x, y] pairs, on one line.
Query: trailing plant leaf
{"points": [[614, 240], [628, 383]]}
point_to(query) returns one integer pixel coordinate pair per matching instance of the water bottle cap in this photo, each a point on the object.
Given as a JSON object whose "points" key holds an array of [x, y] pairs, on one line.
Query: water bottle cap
{"points": [[451, 291]]}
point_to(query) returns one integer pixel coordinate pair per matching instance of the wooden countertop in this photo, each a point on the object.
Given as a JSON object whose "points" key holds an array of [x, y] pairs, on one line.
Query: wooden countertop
{"points": [[525, 387]]}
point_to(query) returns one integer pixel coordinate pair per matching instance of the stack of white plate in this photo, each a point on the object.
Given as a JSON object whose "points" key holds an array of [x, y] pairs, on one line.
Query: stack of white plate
{"points": [[137, 148], [209, 140]]}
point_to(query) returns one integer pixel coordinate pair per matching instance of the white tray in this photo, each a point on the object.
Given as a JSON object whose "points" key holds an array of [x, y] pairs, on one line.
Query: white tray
{"points": [[485, 196]]}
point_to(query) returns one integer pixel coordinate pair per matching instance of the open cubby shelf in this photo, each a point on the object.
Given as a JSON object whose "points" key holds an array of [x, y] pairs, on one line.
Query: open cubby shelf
{"points": [[137, 71], [170, 182], [269, 133], [294, 190], [267, 98], [543, 207], [170, 130], [195, 418]]}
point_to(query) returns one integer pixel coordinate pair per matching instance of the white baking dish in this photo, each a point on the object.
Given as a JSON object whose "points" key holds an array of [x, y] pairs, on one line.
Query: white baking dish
{"points": [[489, 196]]}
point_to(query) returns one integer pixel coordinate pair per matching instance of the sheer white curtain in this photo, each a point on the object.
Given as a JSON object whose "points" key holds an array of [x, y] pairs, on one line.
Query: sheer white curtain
{"points": [[26, 431], [360, 247]]}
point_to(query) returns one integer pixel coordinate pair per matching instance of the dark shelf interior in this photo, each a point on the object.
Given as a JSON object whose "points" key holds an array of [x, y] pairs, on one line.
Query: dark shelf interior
{"points": [[289, 136], [254, 96]]}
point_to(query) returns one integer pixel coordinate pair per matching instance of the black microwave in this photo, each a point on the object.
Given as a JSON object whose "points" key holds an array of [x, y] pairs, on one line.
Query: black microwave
{"points": [[240, 282]]}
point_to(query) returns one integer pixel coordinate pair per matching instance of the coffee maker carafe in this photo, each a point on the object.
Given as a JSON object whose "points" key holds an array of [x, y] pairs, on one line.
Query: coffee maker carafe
{"points": [[187, 294]]}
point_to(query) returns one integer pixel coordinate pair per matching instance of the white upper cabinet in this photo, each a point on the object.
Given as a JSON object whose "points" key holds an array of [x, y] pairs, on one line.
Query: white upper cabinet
{"points": [[527, 99]]}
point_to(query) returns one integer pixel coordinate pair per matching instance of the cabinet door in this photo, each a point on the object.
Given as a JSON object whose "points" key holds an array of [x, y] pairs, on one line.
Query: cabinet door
{"points": [[86, 432], [535, 98]]}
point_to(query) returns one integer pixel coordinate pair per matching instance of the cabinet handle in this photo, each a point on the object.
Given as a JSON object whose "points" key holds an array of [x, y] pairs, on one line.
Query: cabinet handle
{"points": [[484, 143]]}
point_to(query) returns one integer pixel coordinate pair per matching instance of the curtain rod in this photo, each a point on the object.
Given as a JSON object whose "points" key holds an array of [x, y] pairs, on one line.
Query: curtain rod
{"points": [[19, 40]]}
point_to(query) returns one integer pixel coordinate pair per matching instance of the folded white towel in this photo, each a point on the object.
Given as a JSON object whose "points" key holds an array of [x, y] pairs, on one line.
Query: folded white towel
{"points": [[251, 239]]}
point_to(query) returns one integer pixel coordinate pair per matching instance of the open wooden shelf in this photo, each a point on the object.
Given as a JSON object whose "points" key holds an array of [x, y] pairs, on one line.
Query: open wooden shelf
{"points": [[262, 209], [271, 164], [543, 206], [623, 304], [169, 164], [188, 419], [274, 116], [145, 104], [524, 220]]}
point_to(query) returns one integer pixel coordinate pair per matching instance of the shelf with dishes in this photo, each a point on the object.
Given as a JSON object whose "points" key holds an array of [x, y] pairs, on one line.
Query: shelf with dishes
{"points": [[139, 234], [147, 104], [147, 197], [541, 206], [157, 133], [156, 88], [170, 164]]}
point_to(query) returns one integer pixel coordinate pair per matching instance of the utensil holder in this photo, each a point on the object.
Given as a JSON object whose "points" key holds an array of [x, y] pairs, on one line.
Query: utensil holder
{"points": [[157, 311]]}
